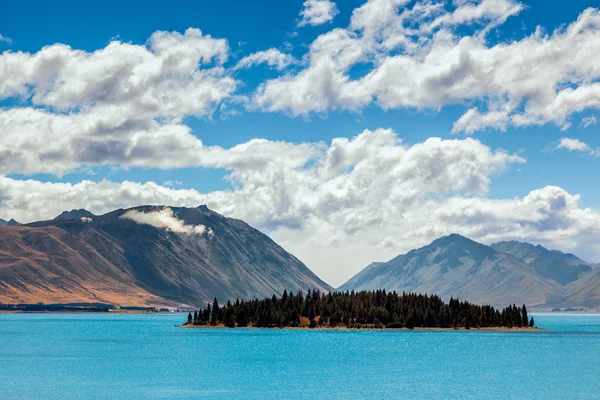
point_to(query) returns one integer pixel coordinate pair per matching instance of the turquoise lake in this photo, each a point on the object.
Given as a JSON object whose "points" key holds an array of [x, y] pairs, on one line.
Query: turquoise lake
{"points": [[99, 356]]}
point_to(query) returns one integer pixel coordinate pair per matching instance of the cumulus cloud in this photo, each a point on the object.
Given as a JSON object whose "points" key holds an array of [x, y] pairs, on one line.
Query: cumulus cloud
{"points": [[342, 205], [105, 139], [119, 103], [272, 57], [420, 56], [573, 145], [173, 75], [333, 231], [317, 12], [165, 219]]}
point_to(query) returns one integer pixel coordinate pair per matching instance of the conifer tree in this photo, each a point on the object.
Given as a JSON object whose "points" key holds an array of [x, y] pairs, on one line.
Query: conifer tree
{"points": [[524, 316], [215, 313]]}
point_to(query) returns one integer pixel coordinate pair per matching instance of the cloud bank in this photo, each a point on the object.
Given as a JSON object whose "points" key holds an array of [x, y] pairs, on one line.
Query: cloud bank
{"points": [[340, 206]]}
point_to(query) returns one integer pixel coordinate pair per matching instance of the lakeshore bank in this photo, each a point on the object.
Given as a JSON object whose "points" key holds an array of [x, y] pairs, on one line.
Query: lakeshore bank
{"points": [[367, 328]]}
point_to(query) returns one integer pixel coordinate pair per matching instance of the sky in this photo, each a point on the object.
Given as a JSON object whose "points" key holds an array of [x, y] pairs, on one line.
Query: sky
{"points": [[349, 132]]}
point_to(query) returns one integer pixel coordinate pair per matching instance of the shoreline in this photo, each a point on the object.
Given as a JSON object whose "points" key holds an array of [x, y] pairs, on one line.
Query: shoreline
{"points": [[345, 328], [88, 312]]}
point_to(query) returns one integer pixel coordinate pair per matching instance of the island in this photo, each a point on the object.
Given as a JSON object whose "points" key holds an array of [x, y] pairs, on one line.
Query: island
{"points": [[376, 309]]}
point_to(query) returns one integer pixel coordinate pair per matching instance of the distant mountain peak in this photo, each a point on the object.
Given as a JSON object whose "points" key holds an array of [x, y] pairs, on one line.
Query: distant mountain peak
{"points": [[456, 239], [453, 237], [10, 222], [81, 213]]}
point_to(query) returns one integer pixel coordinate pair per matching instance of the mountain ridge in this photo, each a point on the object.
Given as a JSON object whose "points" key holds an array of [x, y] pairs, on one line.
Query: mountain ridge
{"points": [[147, 255], [80, 213], [456, 266]]}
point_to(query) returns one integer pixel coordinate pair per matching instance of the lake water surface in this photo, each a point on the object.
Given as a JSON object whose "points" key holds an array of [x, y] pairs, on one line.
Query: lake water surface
{"points": [[99, 356]]}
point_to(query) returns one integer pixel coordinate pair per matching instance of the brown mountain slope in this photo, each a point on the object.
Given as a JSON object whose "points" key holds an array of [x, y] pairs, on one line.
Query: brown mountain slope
{"points": [[119, 259]]}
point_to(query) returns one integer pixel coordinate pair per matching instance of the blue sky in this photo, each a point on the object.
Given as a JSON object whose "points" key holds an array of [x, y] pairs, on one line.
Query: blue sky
{"points": [[245, 113], [251, 27]]}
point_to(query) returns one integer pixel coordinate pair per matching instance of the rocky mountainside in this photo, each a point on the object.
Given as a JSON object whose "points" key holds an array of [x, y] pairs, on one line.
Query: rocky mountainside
{"points": [[150, 255], [501, 274], [561, 267]]}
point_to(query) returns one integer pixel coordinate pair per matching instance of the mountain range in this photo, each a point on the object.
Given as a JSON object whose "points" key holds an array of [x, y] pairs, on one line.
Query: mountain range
{"points": [[178, 257], [149, 255], [501, 274]]}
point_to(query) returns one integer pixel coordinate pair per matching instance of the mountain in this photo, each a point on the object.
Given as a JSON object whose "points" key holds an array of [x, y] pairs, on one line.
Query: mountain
{"points": [[580, 279], [11, 222], [81, 213], [583, 293], [150, 255], [561, 267], [455, 266]]}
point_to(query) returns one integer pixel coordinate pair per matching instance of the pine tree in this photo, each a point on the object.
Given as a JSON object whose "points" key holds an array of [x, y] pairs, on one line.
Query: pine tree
{"points": [[231, 322], [189, 318], [531, 323], [215, 313], [410, 322], [524, 316]]}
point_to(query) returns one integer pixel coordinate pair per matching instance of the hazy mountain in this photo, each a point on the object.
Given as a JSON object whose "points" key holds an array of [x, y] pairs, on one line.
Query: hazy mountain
{"points": [[81, 213], [145, 256], [561, 267], [459, 267], [11, 222], [583, 293]]}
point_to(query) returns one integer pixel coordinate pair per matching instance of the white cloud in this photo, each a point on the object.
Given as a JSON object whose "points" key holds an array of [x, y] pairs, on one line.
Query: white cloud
{"points": [[418, 57], [165, 219], [123, 103], [107, 139], [317, 12], [339, 219], [573, 145], [339, 207], [336, 207], [6, 40], [172, 76], [272, 57], [86, 220], [576, 145]]}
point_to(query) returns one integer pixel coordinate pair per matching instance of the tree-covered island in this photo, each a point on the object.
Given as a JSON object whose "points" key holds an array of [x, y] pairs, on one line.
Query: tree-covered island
{"points": [[361, 310]]}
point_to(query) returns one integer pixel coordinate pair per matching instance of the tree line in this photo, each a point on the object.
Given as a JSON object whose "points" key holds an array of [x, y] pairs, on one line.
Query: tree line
{"points": [[364, 309]]}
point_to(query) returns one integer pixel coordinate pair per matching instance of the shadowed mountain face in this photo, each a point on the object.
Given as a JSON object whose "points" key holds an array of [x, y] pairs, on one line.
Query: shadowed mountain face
{"points": [[553, 264], [81, 213], [145, 256], [454, 266]]}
